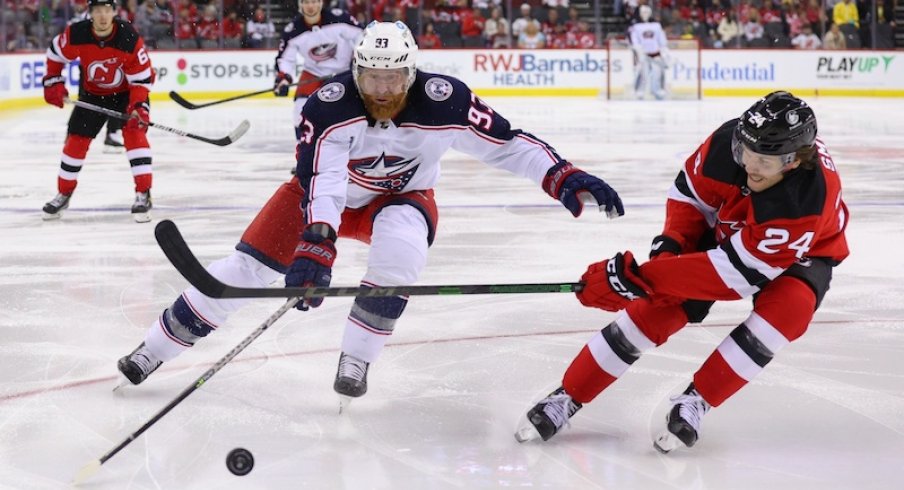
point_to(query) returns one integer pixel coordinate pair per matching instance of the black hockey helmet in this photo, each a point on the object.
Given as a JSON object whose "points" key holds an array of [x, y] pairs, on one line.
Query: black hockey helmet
{"points": [[96, 3], [778, 124]]}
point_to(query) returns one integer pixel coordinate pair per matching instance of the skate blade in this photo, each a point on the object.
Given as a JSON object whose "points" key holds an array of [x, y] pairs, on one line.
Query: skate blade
{"points": [[344, 402], [123, 382], [141, 217], [112, 149], [526, 432], [51, 217], [667, 442]]}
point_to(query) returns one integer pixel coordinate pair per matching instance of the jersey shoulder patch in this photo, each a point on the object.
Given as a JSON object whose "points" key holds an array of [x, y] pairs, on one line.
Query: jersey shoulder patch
{"points": [[331, 92], [126, 36], [80, 33], [438, 89], [801, 193]]}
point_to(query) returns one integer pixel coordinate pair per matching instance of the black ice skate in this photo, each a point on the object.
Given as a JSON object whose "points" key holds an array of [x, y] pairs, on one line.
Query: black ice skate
{"points": [[683, 421], [113, 143], [141, 208], [547, 417], [54, 208], [138, 365], [351, 379]]}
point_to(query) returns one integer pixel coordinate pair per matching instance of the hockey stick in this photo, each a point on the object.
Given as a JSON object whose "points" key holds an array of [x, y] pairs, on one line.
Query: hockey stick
{"points": [[91, 468], [177, 251], [188, 105], [224, 141]]}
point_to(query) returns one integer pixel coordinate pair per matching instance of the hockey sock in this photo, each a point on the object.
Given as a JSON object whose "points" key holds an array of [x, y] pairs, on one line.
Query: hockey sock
{"points": [[139, 154], [781, 314], [604, 359], [370, 324], [74, 151]]}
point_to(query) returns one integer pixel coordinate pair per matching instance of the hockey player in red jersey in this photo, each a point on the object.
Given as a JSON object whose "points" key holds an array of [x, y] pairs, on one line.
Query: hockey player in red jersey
{"points": [[116, 73], [368, 161], [756, 211]]}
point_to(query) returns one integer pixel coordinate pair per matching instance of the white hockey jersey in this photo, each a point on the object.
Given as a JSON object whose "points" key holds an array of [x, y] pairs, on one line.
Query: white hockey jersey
{"points": [[346, 159], [327, 48], [648, 38]]}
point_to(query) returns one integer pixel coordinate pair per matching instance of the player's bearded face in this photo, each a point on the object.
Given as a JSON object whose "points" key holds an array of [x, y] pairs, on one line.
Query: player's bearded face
{"points": [[384, 91], [102, 19]]}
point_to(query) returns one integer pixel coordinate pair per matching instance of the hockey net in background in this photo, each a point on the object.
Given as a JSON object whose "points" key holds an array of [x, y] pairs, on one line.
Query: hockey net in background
{"points": [[682, 77]]}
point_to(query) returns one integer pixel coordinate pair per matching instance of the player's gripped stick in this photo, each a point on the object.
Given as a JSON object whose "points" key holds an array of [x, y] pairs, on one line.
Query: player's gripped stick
{"points": [[188, 105], [224, 141]]}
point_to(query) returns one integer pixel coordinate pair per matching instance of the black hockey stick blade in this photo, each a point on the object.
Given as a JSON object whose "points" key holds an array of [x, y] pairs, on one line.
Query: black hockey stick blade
{"points": [[176, 250], [191, 106]]}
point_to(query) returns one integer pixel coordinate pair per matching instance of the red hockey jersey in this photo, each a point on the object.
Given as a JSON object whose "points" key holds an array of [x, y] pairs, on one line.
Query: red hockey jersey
{"points": [[112, 65], [759, 234]]}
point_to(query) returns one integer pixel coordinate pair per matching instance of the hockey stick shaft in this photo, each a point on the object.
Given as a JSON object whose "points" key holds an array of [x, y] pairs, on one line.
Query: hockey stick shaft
{"points": [[191, 106], [173, 245], [88, 470], [226, 140]]}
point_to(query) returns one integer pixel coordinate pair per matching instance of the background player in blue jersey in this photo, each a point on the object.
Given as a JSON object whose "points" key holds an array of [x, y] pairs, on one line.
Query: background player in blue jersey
{"points": [[368, 159]]}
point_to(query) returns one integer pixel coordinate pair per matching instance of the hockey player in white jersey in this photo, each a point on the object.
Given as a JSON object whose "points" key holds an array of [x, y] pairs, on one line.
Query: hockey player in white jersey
{"points": [[651, 54], [368, 160], [326, 39]]}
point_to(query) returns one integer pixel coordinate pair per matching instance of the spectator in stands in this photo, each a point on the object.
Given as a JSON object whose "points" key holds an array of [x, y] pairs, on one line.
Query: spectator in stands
{"points": [[753, 30], [531, 37], [834, 39], [806, 39], [429, 39], [582, 38], [571, 25], [208, 27], [186, 35], [472, 25], [520, 23], [794, 16], [259, 30], [496, 30], [845, 12], [554, 31], [233, 28], [728, 31], [20, 40], [553, 4]]}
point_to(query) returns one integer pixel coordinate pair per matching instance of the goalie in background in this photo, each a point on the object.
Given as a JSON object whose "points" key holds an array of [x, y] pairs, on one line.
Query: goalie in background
{"points": [[651, 54]]}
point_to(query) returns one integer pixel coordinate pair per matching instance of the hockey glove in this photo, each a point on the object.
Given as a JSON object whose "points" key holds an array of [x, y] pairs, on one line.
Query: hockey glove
{"points": [[281, 84], [575, 188], [612, 284], [140, 113], [313, 263], [55, 90]]}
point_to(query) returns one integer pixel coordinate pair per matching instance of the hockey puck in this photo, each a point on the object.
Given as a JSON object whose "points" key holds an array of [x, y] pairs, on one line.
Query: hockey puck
{"points": [[239, 461]]}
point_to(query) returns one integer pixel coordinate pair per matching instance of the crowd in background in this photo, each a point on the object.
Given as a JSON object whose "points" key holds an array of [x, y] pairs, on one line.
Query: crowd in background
{"points": [[28, 25]]}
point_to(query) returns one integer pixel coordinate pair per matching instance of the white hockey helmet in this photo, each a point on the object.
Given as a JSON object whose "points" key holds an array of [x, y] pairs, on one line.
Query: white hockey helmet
{"points": [[386, 46], [645, 13]]}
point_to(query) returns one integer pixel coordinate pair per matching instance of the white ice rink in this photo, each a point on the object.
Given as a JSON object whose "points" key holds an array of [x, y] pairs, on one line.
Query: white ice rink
{"points": [[444, 398]]}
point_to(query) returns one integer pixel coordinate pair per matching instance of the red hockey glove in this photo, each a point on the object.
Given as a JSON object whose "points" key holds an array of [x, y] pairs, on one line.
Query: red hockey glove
{"points": [[140, 113], [575, 188], [313, 264], [281, 84], [612, 284], [55, 90]]}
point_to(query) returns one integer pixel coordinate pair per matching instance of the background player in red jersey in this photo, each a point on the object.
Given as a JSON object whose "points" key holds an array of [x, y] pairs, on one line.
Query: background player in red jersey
{"points": [[116, 73], [756, 211]]}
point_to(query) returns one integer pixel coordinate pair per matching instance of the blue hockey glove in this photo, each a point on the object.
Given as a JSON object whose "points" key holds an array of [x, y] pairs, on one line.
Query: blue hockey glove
{"points": [[313, 263], [576, 188], [281, 84]]}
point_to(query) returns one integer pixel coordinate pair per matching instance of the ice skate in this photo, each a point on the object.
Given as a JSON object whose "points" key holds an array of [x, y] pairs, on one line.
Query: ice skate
{"points": [[683, 421], [138, 365], [351, 379], [54, 208], [547, 417], [141, 208], [113, 143]]}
